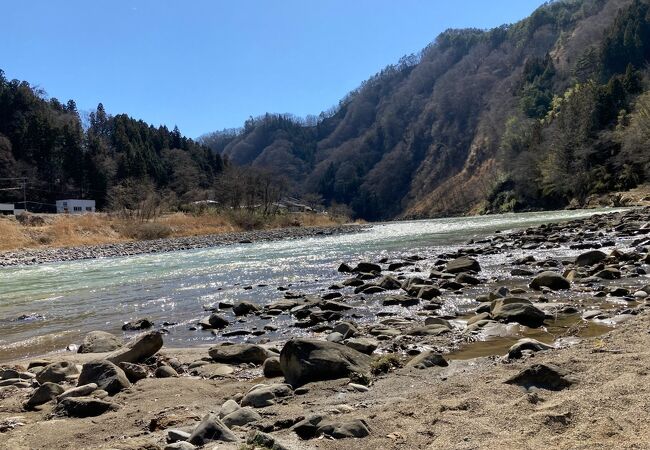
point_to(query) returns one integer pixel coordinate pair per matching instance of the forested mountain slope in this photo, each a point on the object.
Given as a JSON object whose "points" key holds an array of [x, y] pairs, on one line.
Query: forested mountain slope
{"points": [[537, 114]]}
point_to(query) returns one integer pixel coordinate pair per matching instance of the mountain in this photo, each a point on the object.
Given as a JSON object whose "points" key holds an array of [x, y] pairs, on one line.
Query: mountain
{"points": [[539, 114]]}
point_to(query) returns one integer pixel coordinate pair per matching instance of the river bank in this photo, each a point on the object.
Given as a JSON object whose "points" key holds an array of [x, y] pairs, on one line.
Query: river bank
{"points": [[411, 350]]}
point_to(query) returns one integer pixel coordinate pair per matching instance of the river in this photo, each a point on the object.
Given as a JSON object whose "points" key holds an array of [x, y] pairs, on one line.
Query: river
{"points": [[47, 307]]}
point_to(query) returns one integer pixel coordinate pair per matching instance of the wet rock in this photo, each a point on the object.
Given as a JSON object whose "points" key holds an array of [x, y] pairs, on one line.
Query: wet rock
{"points": [[137, 325], [363, 345], [139, 349], [264, 395], [245, 308], [609, 273], [332, 295], [389, 283], [428, 292], [100, 342], [57, 372], [307, 360], [428, 330], [526, 344], [542, 376], [211, 429], [550, 280], [241, 417], [366, 267], [7, 374], [271, 367], [347, 329], [79, 391], [428, 359], [400, 300], [369, 289], [43, 394], [214, 322], [105, 375], [590, 258], [331, 305], [518, 310], [521, 272], [134, 372], [344, 268], [462, 264], [466, 278], [83, 407], [239, 353], [398, 265]]}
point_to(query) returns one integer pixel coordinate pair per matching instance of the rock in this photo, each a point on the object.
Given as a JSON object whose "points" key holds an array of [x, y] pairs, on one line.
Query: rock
{"points": [[80, 391], [307, 360], [609, 273], [239, 353], [271, 367], [521, 273], [264, 395], [462, 264], [542, 376], [466, 278], [165, 372], [210, 429], [134, 372], [174, 435], [518, 310], [83, 407], [479, 317], [428, 330], [332, 295], [344, 268], [181, 445], [217, 322], [335, 337], [100, 342], [6, 374], [550, 280], [43, 394], [590, 258], [105, 375], [428, 292], [428, 359], [214, 370], [136, 325], [363, 345], [526, 344], [400, 300], [245, 308], [389, 283], [366, 267], [347, 329], [241, 417], [229, 406], [57, 372], [263, 440], [138, 350], [308, 427], [355, 428]]}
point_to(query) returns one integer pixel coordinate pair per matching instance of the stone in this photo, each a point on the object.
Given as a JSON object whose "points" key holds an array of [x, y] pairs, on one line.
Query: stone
{"points": [[590, 258], [217, 322], [332, 295], [165, 371], [245, 308], [389, 283], [83, 407], [526, 344], [542, 376], [466, 278], [366, 267], [137, 325], [428, 293], [518, 310], [211, 429], [79, 391], [428, 330], [608, 273], [462, 264], [43, 394], [105, 375], [257, 439], [308, 427], [57, 372], [344, 268], [134, 372], [307, 360], [180, 445], [6, 374], [271, 367], [239, 353], [428, 359], [264, 395], [143, 347], [355, 428], [229, 406], [363, 345], [241, 417], [347, 329], [100, 342], [551, 280]]}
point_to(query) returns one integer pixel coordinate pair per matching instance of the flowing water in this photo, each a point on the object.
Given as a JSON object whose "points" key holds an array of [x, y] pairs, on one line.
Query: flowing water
{"points": [[47, 307]]}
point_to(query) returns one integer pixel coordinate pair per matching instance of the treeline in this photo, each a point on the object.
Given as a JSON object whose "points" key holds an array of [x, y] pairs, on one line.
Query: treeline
{"points": [[122, 163]]}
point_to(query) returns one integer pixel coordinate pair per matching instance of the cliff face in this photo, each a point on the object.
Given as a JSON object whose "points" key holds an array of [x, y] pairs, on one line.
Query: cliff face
{"points": [[425, 137]]}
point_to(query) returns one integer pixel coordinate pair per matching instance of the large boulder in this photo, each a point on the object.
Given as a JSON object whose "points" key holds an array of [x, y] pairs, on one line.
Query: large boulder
{"points": [[241, 417], [43, 394], [239, 353], [342, 429], [244, 308], [105, 375], [307, 360], [100, 342], [57, 372], [83, 407], [138, 350], [462, 264], [211, 429], [551, 280], [590, 258], [517, 310]]}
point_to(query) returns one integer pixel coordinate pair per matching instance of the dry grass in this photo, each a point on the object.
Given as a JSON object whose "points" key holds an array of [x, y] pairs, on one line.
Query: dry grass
{"points": [[92, 229]]}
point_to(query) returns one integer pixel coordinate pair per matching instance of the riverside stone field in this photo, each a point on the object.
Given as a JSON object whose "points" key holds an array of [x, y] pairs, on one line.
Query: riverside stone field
{"points": [[522, 338]]}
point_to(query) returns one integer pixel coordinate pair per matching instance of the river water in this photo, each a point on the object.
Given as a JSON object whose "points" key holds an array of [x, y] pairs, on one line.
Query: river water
{"points": [[47, 307]]}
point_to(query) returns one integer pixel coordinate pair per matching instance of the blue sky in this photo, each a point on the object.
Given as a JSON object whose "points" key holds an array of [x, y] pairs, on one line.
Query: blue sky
{"points": [[210, 64]]}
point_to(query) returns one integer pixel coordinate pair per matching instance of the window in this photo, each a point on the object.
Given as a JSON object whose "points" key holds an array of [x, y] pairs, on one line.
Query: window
{"points": [[88, 208], [77, 208]]}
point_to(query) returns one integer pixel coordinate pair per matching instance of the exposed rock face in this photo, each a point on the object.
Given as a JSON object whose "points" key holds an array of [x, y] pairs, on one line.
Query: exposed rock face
{"points": [[100, 342], [105, 375], [551, 280], [140, 349], [307, 360], [240, 353]]}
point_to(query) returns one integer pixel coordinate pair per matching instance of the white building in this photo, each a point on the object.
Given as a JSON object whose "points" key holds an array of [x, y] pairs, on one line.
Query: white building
{"points": [[75, 206], [6, 209]]}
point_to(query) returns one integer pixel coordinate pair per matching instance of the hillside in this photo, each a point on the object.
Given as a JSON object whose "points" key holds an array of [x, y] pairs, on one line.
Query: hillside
{"points": [[539, 114]]}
